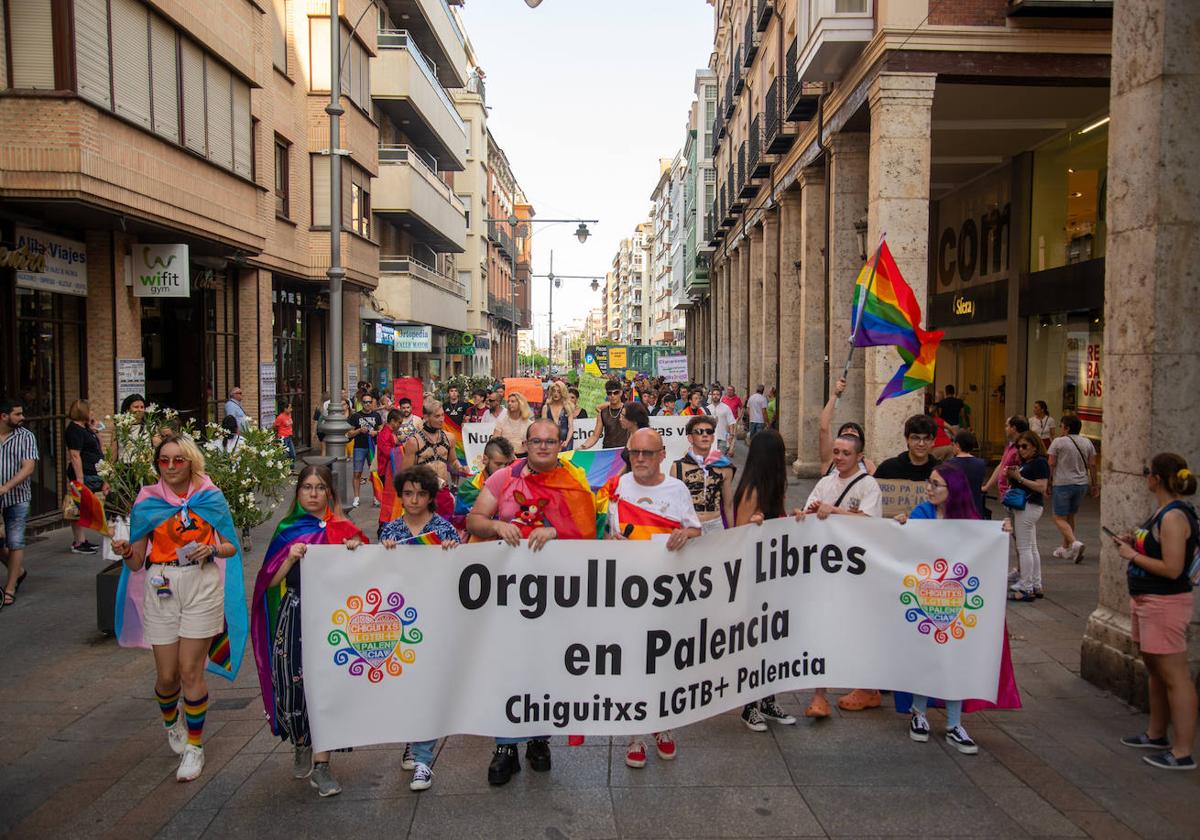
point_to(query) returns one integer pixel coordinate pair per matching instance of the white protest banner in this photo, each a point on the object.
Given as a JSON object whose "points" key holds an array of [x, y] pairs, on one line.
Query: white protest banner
{"points": [[673, 368], [624, 637], [673, 430]]}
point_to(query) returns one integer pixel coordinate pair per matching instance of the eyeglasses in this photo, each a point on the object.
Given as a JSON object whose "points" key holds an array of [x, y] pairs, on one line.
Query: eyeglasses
{"points": [[542, 443], [703, 433], [932, 483], [1145, 472], [1024, 446], [176, 461], [920, 439], [312, 488], [643, 453]]}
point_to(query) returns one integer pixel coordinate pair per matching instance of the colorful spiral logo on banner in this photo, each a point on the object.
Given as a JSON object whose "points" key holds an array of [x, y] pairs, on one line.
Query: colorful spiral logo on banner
{"points": [[939, 599], [373, 640]]}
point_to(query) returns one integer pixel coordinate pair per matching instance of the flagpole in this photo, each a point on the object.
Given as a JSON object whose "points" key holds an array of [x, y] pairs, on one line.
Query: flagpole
{"points": [[862, 309]]}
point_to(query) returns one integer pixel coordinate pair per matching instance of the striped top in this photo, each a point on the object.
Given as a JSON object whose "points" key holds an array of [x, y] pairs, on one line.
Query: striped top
{"points": [[20, 446]]}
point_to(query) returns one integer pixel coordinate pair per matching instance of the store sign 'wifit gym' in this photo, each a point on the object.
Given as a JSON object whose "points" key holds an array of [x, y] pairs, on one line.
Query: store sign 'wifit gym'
{"points": [[160, 271]]}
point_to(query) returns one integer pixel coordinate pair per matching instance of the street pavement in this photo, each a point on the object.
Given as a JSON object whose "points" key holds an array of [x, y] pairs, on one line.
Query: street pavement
{"points": [[82, 751]]}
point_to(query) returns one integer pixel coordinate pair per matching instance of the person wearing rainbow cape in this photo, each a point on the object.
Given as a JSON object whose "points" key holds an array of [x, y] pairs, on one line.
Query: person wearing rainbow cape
{"points": [[316, 519], [181, 592]]}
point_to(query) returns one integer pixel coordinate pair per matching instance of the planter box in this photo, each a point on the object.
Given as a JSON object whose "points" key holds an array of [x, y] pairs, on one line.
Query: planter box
{"points": [[106, 598]]}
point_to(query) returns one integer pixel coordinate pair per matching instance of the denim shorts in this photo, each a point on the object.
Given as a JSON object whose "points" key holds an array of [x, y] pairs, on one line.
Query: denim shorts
{"points": [[360, 459], [14, 525], [1066, 498]]}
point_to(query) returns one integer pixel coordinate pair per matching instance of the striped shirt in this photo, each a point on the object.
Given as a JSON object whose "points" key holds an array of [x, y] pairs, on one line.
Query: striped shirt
{"points": [[20, 446]]}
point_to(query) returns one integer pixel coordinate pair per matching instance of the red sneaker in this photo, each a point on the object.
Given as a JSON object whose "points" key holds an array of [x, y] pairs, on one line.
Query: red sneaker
{"points": [[635, 756], [666, 745]]}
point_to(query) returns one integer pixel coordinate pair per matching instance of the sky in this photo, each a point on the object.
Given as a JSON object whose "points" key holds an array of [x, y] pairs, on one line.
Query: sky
{"points": [[585, 96]]}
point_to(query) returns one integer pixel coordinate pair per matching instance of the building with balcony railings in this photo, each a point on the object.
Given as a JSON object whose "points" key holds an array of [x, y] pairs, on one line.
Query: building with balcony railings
{"points": [[471, 185], [508, 259]]}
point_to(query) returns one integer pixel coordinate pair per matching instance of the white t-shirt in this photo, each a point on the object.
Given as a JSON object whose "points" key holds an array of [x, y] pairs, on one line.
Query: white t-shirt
{"points": [[1071, 456], [863, 497], [669, 498], [723, 414], [757, 407]]}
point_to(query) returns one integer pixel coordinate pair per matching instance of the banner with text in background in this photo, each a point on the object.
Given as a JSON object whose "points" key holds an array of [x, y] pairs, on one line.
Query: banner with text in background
{"points": [[623, 637]]}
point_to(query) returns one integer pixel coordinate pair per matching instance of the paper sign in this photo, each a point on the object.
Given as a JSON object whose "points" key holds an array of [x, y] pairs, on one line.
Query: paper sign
{"points": [[530, 389], [673, 368], [131, 378], [900, 495], [616, 357], [411, 387], [266, 395]]}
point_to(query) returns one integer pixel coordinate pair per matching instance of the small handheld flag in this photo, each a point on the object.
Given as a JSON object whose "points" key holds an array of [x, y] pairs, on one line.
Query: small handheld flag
{"points": [[91, 509]]}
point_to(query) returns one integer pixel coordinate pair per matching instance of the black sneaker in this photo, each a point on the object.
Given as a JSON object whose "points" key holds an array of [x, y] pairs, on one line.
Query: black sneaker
{"points": [[84, 548], [1142, 741], [918, 727], [1168, 761], [537, 753], [961, 741], [504, 764], [771, 711], [753, 718]]}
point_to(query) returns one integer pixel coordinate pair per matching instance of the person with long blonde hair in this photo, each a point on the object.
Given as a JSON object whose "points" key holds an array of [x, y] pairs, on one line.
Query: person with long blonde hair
{"points": [[558, 410], [515, 422]]}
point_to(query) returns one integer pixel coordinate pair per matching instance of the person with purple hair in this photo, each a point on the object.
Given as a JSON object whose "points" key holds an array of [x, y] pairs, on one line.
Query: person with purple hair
{"points": [[948, 495]]}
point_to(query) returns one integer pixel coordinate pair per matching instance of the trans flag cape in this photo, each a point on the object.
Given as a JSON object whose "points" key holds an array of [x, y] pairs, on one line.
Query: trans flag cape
{"points": [[297, 527], [156, 504], [887, 313]]}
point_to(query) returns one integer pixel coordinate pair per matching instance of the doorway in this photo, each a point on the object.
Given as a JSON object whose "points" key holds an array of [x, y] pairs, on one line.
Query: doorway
{"points": [[978, 370]]}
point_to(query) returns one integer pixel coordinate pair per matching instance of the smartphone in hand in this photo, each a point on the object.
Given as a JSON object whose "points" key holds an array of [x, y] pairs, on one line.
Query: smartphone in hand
{"points": [[1109, 533]]}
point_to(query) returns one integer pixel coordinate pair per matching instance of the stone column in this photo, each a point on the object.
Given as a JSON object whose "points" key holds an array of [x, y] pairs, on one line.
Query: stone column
{"points": [[848, 204], [1151, 361], [721, 312], [754, 309], [769, 326], [897, 203], [789, 320], [812, 344], [739, 310]]}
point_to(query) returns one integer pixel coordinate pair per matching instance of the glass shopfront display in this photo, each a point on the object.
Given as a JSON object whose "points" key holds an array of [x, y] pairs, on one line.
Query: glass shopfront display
{"points": [[1070, 180], [1066, 367], [979, 372], [297, 331]]}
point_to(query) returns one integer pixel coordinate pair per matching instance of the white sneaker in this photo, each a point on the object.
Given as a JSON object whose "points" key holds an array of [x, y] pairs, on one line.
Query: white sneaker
{"points": [[422, 778], [1075, 554], [409, 761], [1060, 552], [191, 765], [354, 504], [177, 735]]}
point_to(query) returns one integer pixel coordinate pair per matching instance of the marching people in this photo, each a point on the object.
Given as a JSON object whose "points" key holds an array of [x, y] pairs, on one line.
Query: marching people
{"points": [[1072, 460], [283, 426], [825, 435], [608, 431], [695, 406], [455, 406], [408, 422], [756, 411], [417, 488], [1014, 426], [557, 409], [965, 459], [431, 447], [18, 459], [916, 463], [515, 422], [477, 408], [179, 529], [364, 428], [726, 420], [847, 490], [1025, 499], [647, 503], [707, 474], [761, 495], [1160, 575], [83, 454], [498, 514], [316, 518]]}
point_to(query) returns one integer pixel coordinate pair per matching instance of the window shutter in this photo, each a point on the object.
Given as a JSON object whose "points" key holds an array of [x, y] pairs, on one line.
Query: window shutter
{"points": [[347, 61], [320, 190], [318, 45], [241, 128], [131, 60], [165, 76], [3, 64], [91, 51], [33, 50], [193, 96], [220, 112], [279, 35]]}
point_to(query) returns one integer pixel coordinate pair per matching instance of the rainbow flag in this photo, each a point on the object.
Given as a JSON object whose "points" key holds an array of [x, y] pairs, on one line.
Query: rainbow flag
{"points": [[454, 432], [468, 492], [91, 508], [600, 465], [646, 523], [376, 478], [887, 313], [423, 539]]}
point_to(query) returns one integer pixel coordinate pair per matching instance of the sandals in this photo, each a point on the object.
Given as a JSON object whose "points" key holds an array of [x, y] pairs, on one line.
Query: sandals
{"points": [[1023, 597], [20, 580], [8, 599]]}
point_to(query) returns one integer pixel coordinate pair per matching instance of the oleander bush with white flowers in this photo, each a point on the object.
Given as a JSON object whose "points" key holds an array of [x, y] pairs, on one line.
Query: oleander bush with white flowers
{"points": [[254, 476]]}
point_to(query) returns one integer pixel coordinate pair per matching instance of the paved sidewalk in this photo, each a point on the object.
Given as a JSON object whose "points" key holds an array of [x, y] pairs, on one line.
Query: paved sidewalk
{"points": [[82, 752]]}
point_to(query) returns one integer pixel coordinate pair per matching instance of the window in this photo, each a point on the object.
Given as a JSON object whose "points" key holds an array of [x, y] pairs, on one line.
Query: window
{"points": [[91, 51], [360, 209], [32, 53], [279, 31], [356, 63], [130, 25], [282, 178]]}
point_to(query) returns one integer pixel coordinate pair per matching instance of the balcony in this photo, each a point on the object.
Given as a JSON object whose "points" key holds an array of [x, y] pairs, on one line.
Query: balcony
{"points": [[730, 101], [412, 291], [837, 31], [758, 163], [1061, 8], [502, 308], [764, 9], [778, 133], [801, 106], [406, 87], [739, 74], [422, 203], [435, 29], [498, 233], [751, 41]]}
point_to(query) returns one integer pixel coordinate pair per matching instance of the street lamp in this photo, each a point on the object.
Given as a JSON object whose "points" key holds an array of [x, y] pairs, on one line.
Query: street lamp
{"points": [[533, 4], [556, 281]]}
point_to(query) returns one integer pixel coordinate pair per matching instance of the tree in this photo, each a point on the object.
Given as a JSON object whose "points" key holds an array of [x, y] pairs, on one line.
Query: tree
{"points": [[534, 361]]}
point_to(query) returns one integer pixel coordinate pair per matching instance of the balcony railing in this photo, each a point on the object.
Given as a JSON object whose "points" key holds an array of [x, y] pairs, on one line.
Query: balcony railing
{"points": [[778, 135], [730, 102], [762, 14], [399, 39], [405, 264], [752, 41], [739, 73], [757, 163], [801, 106], [424, 164], [502, 308], [498, 233]]}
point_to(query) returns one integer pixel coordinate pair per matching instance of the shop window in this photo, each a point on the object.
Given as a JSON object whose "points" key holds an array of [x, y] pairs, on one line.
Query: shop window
{"points": [[1067, 224], [290, 311], [222, 350], [1065, 366]]}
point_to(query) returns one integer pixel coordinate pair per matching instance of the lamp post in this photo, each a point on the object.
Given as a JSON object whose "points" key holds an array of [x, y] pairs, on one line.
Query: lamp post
{"points": [[555, 280], [581, 233]]}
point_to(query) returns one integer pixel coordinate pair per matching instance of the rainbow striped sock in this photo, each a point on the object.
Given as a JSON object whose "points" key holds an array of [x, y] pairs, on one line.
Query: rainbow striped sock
{"points": [[194, 712], [168, 704]]}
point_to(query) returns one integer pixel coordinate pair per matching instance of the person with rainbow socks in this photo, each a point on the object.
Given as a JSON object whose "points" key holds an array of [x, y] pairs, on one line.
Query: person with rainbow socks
{"points": [[181, 592]]}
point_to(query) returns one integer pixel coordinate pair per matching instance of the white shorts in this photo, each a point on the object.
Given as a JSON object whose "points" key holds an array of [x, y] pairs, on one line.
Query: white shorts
{"points": [[195, 609]]}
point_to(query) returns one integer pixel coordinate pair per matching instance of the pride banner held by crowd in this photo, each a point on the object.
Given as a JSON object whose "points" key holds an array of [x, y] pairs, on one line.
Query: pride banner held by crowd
{"points": [[624, 637]]}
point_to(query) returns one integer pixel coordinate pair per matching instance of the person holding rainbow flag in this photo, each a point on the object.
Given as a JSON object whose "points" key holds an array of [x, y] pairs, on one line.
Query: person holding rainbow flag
{"points": [[649, 504], [316, 518], [539, 498], [181, 592]]}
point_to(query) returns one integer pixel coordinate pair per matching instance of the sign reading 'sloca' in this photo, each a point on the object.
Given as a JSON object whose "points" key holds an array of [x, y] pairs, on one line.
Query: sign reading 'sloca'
{"points": [[161, 271], [625, 637]]}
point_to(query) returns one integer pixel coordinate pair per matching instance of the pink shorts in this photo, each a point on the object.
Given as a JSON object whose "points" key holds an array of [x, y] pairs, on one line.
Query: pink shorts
{"points": [[1158, 623]]}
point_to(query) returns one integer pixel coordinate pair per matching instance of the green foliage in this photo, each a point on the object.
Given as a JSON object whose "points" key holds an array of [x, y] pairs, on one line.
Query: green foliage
{"points": [[466, 386], [128, 463], [532, 361], [253, 476]]}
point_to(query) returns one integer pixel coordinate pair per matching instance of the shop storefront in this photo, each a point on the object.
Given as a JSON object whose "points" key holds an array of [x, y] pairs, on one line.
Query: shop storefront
{"points": [[43, 300], [298, 326]]}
